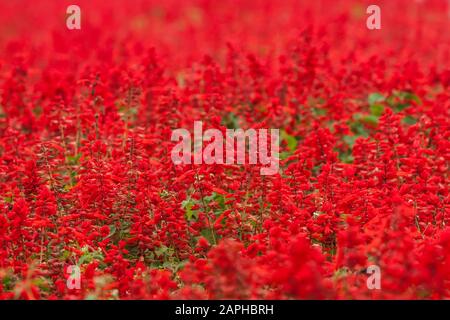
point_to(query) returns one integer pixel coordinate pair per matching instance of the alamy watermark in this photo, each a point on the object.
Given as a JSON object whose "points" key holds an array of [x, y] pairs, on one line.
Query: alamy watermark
{"points": [[73, 20], [229, 150], [74, 279], [374, 281], [374, 20]]}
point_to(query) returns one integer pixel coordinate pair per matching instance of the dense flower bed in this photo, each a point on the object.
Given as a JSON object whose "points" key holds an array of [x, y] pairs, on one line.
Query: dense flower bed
{"points": [[86, 176]]}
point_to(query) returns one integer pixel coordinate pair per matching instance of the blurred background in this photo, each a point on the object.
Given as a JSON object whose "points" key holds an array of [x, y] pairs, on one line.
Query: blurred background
{"points": [[183, 31]]}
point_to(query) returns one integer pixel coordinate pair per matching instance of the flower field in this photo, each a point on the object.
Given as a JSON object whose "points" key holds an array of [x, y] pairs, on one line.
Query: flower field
{"points": [[87, 179]]}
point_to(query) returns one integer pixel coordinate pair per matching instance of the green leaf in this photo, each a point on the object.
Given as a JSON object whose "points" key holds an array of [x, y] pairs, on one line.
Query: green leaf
{"points": [[231, 121], [88, 256], [37, 111], [112, 229], [284, 155], [42, 283], [350, 140], [291, 141], [340, 273], [162, 251], [85, 258], [400, 106], [65, 255], [8, 282], [207, 234], [218, 198], [187, 206], [73, 160], [375, 97], [400, 100], [408, 96], [371, 119], [357, 126], [376, 109], [8, 199], [409, 120], [319, 111]]}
